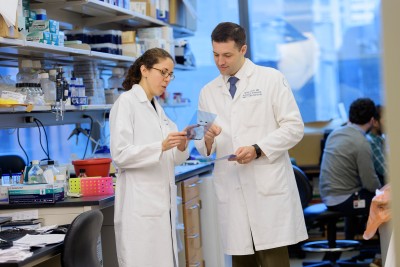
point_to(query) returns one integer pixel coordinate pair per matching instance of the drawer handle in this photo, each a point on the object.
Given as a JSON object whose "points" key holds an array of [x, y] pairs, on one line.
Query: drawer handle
{"points": [[195, 206], [193, 236], [191, 185], [200, 181], [197, 264]]}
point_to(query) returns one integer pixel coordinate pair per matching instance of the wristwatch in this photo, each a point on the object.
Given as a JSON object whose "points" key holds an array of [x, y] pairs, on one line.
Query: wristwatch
{"points": [[258, 150]]}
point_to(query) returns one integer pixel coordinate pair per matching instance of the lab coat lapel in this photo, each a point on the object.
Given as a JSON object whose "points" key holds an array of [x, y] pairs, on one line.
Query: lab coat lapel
{"points": [[156, 114], [222, 86], [241, 86], [162, 118]]}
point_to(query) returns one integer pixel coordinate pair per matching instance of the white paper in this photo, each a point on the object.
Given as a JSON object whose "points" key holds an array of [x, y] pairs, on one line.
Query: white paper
{"points": [[228, 157], [8, 10], [40, 240], [22, 215]]}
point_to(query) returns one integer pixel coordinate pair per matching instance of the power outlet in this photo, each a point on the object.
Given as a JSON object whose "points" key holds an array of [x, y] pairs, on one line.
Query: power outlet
{"points": [[29, 119]]}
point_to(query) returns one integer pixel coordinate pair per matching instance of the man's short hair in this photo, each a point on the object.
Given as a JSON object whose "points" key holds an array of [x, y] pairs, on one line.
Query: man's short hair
{"points": [[229, 31], [361, 111]]}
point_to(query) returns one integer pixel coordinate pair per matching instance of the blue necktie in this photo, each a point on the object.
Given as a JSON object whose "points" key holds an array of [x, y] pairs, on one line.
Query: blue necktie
{"points": [[232, 89]]}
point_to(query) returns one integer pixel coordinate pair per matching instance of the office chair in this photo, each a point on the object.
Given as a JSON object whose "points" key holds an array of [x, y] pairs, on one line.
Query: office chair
{"points": [[304, 186], [11, 163], [318, 215], [305, 193], [80, 243]]}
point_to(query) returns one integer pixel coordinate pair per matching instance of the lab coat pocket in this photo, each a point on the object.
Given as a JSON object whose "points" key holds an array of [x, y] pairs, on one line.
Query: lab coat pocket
{"points": [[220, 188], [148, 200], [270, 179], [250, 108]]}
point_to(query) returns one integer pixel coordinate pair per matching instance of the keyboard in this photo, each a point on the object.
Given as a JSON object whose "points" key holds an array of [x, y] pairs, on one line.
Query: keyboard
{"points": [[15, 234]]}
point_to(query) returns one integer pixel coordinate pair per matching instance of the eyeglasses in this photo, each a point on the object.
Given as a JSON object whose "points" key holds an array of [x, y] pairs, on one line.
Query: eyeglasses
{"points": [[165, 73]]}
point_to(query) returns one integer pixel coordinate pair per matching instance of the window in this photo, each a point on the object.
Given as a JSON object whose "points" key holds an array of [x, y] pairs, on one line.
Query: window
{"points": [[329, 50]]}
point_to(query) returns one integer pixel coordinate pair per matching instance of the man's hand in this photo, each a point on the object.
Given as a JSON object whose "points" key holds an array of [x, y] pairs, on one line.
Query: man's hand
{"points": [[176, 139], [245, 154], [210, 135]]}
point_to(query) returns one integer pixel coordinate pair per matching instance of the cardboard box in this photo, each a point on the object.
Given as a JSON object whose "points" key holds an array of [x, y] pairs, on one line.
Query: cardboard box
{"points": [[8, 32], [149, 7], [179, 14], [35, 193], [39, 36], [52, 26], [128, 37]]}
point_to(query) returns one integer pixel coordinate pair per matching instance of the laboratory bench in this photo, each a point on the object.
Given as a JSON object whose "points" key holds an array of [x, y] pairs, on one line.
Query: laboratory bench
{"points": [[65, 211]]}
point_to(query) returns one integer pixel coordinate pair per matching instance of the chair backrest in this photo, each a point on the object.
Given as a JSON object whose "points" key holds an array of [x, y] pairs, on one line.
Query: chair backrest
{"points": [[80, 243], [303, 185], [13, 163]]}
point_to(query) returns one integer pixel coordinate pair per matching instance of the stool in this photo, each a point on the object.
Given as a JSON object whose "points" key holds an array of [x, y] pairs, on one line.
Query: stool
{"points": [[319, 213]]}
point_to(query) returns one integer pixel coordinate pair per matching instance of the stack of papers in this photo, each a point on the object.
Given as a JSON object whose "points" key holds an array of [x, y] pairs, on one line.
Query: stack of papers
{"points": [[14, 254], [39, 240]]}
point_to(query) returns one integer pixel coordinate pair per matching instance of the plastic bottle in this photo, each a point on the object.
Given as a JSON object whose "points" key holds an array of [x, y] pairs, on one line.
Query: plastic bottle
{"points": [[82, 173], [25, 72], [53, 75], [48, 88], [52, 168], [35, 174], [36, 70]]}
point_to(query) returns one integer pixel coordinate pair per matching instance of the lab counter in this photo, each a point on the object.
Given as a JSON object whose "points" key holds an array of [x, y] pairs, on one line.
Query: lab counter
{"points": [[65, 211], [99, 201]]}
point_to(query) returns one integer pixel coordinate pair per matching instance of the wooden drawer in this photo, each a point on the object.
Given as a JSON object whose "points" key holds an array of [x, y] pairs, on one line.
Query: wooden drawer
{"points": [[190, 188], [191, 216], [197, 258]]}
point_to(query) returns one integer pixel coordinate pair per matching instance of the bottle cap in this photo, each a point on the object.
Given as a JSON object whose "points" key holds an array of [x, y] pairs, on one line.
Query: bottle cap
{"points": [[35, 161], [44, 75], [50, 162]]}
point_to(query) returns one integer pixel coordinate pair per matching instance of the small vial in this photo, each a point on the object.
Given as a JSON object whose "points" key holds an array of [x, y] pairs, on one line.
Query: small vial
{"points": [[82, 173]]}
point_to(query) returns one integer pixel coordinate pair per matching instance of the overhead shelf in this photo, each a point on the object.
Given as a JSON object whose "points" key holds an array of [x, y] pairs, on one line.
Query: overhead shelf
{"points": [[13, 48], [90, 13]]}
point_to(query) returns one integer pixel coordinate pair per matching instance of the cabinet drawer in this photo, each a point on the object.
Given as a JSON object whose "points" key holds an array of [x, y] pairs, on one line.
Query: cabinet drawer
{"points": [[191, 216], [197, 258], [193, 248], [190, 188]]}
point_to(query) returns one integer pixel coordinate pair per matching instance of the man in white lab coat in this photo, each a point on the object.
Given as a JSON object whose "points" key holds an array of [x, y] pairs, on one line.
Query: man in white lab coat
{"points": [[259, 207]]}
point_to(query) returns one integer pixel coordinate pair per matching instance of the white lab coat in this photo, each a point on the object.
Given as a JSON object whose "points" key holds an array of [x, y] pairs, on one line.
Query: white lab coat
{"points": [[145, 197], [259, 199]]}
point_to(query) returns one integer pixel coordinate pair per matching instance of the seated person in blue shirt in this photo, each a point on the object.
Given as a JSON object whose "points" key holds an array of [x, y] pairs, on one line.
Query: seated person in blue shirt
{"points": [[347, 179], [377, 141]]}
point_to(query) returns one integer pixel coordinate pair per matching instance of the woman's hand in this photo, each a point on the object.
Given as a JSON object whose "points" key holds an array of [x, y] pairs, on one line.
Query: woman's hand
{"points": [[175, 139]]}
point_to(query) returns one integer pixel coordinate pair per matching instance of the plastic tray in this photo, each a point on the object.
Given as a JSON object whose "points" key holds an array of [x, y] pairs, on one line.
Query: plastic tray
{"points": [[92, 186]]}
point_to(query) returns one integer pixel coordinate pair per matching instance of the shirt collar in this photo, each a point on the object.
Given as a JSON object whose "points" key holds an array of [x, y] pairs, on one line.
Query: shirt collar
{"points": [[240, 74], [358, 128]]}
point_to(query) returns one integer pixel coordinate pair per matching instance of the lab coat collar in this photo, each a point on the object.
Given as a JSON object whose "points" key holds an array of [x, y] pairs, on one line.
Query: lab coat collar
{"points": [[142, 97], [243, 74], [140, 93]]}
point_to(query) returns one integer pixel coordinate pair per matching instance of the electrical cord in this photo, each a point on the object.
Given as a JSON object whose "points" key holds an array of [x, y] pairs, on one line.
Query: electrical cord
{"points": [[19, 143], [40, 138], [89, 134], [47, 140]]}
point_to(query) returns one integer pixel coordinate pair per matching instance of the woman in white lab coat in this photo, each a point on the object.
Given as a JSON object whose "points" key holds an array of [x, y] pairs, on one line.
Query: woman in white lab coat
{"points": [[145, 146]]}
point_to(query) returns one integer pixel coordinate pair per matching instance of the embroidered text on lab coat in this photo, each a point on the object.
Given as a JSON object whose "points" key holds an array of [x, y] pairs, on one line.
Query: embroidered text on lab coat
{"points": [[251, 93]]}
